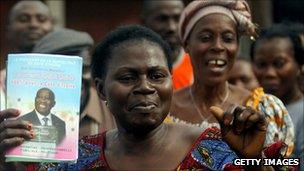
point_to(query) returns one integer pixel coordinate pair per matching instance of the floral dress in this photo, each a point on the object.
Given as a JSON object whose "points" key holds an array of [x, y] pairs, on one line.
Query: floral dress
{"points": [[280, 126], [209, 152]]}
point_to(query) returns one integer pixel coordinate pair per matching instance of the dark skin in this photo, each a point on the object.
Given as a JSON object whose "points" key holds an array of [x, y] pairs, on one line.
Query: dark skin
{"points": [[29, 21], [163, 17], [242, 75], [213, 40], [276, 68], [44, 102], [138, 89]]}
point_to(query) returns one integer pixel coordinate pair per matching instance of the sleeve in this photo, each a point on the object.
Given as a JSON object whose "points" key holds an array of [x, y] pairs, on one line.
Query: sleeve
{"points": [[209, 152], [280, 126]]}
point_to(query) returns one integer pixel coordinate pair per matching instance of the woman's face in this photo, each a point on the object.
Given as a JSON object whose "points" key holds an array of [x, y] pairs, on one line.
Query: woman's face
{"points": [[275, 66], [138, 86], [212, 45]]}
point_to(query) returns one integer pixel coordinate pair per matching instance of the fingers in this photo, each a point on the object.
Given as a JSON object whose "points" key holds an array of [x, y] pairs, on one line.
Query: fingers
{"points": [[238, 117], [225, 118], [11, 142], [217, 112], [243, 128], [9, 113], [240, 123], [15, 124], [11, 133]]}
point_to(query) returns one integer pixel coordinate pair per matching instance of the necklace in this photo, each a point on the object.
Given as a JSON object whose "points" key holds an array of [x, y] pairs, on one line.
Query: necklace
{"points": [[197, 108]]}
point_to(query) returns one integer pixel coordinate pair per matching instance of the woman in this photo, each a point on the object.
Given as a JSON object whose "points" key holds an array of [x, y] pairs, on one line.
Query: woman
{"points": [[241, 74], [277, 58], [132, 75], [210, 32]]}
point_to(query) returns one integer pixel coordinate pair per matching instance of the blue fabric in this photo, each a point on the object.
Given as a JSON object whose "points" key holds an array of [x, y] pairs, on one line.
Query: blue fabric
{"points": [[213, 154], [87, 153]]}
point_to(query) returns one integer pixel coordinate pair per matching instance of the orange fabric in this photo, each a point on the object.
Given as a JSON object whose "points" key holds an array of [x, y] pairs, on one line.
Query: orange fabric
{"points": [[182, 73]]}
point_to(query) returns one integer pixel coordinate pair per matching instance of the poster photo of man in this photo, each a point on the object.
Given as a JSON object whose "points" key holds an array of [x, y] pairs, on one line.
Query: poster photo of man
{"points": [[48, 127]]}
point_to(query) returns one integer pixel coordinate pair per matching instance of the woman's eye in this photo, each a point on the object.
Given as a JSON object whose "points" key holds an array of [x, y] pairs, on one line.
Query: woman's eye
{"points": [[279, 63], [157, 76], [228, 38], [127, 78], [260, 65], [42, 18], [23, 18], [205, 38]]}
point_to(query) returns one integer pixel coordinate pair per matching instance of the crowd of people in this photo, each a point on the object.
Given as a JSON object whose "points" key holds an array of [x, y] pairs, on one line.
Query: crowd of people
{"points": [[174, 78]]}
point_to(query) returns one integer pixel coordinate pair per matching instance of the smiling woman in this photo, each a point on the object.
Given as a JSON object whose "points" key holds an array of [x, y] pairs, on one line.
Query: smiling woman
{"points": [[210, 32]]}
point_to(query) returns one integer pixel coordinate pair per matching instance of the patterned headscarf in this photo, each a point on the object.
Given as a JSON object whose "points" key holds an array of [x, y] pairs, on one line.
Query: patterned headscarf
{"points": [[237, 10]]}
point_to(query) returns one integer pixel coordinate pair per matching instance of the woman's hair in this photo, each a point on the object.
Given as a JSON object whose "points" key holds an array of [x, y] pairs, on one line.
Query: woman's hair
{"points": [[282, 31], [103, 51]]}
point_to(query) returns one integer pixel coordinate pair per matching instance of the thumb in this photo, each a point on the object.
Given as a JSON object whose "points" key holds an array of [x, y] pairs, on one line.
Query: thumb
{"points": [[217, 112]]}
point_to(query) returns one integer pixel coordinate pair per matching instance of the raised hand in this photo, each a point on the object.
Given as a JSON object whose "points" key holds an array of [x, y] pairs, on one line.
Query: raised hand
{"points": [[244, 129]]}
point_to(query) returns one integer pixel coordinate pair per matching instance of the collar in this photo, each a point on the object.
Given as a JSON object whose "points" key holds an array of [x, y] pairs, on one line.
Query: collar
{"points": [[40, 117]]}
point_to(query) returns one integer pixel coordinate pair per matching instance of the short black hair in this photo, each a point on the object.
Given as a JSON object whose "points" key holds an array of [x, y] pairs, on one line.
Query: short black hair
{"points": [[47, 89], [102, 52], [147, 5], [284, 31], [19, 5]]}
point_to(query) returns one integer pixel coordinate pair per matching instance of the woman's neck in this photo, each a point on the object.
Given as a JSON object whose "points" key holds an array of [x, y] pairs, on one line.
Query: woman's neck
{"points": [[210, 95], [292, 96], [151, 142]]}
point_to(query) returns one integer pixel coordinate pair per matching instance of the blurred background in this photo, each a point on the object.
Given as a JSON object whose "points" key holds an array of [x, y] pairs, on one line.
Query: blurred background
{"points": [[98, 17]]}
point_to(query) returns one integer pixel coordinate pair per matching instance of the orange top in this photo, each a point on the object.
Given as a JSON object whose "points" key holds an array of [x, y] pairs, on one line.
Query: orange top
{"points": [[182, 73]]}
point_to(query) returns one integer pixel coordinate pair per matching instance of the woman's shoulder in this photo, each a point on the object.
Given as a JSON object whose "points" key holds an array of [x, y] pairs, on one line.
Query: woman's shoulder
{"points": [[209, 151], [185, 131], [266, 103]]}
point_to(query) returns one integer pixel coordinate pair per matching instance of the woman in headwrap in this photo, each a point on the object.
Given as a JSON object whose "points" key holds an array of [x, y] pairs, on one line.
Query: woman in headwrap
{"points": [[210, 31]]}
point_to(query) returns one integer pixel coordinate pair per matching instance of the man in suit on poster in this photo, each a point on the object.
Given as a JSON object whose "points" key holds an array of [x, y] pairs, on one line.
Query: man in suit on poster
{"points": [[42, 116]]}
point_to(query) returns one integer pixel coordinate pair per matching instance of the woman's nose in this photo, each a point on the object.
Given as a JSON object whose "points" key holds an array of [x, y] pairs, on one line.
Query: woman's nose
{"points": [[270, 72], [217, 45], [34, 23], [144, 87]]}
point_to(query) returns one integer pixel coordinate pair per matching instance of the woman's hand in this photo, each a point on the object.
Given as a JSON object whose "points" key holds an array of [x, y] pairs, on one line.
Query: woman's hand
{"points": [[244, 129], [13, 132]]}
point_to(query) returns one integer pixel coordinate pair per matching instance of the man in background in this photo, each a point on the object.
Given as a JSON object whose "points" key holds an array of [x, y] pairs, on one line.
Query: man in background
{"points": [[163, 18], [28, 22]]}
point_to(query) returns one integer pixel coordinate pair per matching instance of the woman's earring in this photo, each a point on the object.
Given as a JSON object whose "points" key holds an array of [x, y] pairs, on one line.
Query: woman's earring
{"points": [[106, 102]]}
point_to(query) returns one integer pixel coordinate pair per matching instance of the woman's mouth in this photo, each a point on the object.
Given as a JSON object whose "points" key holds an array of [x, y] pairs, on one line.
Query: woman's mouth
{"points": [[143, 107], [216, 65]]}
